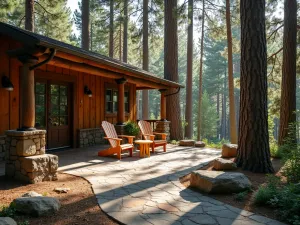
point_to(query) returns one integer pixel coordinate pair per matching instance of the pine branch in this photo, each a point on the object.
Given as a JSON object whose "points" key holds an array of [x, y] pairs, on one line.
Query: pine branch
{"points": [[275, 54]]}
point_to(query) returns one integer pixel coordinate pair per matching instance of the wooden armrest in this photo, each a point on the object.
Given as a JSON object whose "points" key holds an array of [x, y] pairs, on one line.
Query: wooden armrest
{"points": [[116, 139], [129, 138], [126, 136], [163, 135]]}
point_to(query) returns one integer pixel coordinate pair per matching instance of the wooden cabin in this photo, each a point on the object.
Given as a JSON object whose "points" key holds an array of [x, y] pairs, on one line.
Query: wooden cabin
{"points": [[50, 85]]}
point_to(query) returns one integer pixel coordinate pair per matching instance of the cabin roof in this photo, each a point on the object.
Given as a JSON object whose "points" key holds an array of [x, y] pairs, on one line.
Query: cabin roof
{"points": [[33, 40]]}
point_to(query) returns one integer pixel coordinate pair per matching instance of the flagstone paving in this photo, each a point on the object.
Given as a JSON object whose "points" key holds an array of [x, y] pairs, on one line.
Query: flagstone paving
{"points": [[147, 191]]}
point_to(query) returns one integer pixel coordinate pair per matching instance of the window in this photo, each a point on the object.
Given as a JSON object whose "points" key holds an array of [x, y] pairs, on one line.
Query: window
{"points": [[40, 105], [111, 99]]}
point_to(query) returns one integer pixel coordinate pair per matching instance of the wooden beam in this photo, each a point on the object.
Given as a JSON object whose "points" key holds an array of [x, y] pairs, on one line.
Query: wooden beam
{"points": [[121, 104], [163, 112], [81, 67], [112, 68], [27, 95]]}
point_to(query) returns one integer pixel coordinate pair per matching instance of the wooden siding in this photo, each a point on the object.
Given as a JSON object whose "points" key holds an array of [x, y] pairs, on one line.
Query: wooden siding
{"points": [[88, 112]]}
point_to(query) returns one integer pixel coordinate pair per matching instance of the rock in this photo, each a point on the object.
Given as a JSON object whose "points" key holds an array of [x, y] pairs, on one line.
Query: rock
{"points": [[26, 148], [187, 143], [219, 182], [229, 150], [62, 190], [7, 221], [224, 164], [31, 194], [200, 144], [37, 206]]}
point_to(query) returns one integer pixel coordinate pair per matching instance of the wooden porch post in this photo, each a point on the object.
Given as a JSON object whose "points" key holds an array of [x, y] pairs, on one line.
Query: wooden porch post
{"points": [[27, 95], [121, 105], [163, 105]]}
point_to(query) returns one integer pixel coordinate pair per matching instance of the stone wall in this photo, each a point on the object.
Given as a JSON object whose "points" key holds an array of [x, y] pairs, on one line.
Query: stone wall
{"points": [[91, 137], [162, 127], [2, 148], [25, 157]]}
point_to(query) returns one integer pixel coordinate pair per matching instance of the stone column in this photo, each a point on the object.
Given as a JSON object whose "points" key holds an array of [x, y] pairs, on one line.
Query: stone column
{"points": [[25, 157], [163, 127]]}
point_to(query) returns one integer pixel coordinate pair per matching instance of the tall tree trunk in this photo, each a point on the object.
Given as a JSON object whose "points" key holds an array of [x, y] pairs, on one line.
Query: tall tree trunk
{"points": [[253, 141], [91, 35], [111, 28], [232, 127], [201, 72], [224, 107], [85, 28], [287, 131], [171, 67], [218, 114], [29, 15], [120, 43], [145, 93], [189, 74], [125, 31]]}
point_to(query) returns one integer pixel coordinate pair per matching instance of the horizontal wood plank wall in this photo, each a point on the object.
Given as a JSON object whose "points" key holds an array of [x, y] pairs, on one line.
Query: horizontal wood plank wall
{"points": [[91, 111], [88, 112], [9, 100]]}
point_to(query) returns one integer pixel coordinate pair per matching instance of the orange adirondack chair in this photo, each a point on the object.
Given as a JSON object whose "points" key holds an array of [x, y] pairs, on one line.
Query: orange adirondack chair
{"points": [[115, 141], [148, 134]]}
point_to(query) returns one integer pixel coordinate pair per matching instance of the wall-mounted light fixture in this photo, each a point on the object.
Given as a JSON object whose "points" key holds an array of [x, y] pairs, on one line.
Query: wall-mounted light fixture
{"points": [[6, 83], [87, 91]]}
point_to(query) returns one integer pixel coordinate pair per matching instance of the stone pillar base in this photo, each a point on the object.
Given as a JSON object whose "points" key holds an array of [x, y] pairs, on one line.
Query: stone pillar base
{"points": [[25, 157], [162, 127], [91, 137]]}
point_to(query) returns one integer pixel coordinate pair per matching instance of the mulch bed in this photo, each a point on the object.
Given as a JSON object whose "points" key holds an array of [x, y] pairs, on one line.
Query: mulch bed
{"points": [[256, 179], [79, 205]]}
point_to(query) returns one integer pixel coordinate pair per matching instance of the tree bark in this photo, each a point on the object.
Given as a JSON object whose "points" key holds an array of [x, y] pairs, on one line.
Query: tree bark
{"points": [[29, 15], [171, 67], [111, 28], [287, 129], [85, 28], [218, 114], [253, 141], [145, 93], [189, 74], [120, 42], [201, 73], [125, 32], [232, 127]]}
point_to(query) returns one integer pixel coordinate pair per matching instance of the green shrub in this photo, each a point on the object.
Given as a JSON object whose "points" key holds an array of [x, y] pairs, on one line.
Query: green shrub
{"points": [[215, 143], [291, 167], [241, 196], [285, 198], [267, 192], [8, 211], [131, 128], [276, 152], [174, 142]]}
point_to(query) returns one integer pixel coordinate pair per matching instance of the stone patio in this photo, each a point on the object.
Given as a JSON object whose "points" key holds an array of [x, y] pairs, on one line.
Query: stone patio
{"points": [[140, 191]]}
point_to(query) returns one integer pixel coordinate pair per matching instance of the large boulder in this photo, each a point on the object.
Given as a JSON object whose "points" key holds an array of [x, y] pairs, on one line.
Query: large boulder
{"points": [[187, 143], [219, 182], [7, 221], [224, 164], [200, 144], [37, 206], [229, 150]]}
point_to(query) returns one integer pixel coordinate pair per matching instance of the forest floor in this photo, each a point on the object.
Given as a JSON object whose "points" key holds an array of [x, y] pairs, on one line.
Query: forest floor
{"points": [[79, 205], [246, 203]]}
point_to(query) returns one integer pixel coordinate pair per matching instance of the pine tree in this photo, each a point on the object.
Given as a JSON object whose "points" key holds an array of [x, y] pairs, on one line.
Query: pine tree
{"points": [[171, 67], [253, 142], [288, 85]]}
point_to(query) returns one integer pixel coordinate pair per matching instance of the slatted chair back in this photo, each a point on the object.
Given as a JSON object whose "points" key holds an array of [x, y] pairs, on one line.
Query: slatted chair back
{"points": [[110, 132], [145, 128]]}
